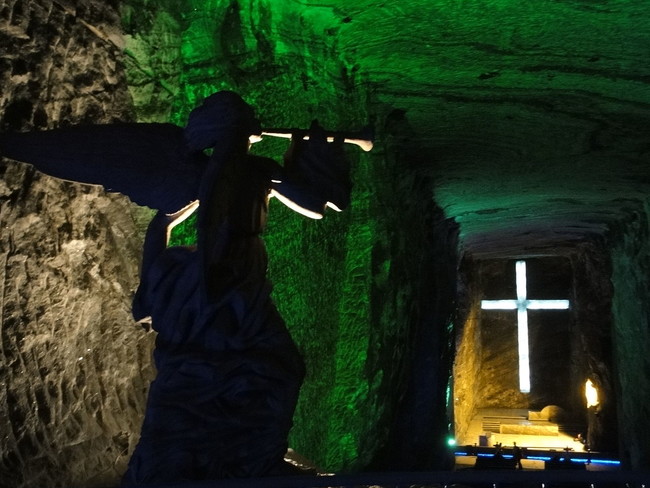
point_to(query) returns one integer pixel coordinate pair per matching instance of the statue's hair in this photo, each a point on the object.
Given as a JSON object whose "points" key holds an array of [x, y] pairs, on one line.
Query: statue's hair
{"points": [[217, 117]]}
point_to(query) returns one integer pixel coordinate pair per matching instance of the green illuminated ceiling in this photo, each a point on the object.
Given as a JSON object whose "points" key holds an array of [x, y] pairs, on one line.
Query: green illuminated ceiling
{"points": [[517, 109], [531, 116], [514, 107]]}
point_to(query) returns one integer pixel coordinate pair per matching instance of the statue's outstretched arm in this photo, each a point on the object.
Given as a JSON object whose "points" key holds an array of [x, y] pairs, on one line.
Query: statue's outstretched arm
{"points": [[155, 243], [149, 163]]}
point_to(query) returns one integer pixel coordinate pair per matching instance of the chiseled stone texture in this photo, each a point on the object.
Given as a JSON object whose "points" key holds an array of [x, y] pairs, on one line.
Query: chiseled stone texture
{"points": [[631, 333], [74, 368]]}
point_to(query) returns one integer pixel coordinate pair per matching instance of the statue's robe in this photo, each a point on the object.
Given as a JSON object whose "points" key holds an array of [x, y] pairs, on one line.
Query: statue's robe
{"points": [[228, 371]]}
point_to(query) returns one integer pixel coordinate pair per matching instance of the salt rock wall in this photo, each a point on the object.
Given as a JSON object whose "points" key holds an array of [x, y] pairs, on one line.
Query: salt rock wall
{"points": [[413, 299], [466, 394], [592, 348], [153, 34], [71, 358], [631, 337]]}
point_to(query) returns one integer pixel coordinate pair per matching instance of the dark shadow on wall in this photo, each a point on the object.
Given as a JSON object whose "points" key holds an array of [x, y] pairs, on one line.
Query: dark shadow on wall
{"points": [[414, 291]]}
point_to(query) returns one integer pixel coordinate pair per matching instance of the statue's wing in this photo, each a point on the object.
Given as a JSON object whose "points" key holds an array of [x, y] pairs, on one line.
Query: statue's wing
{"points": [[149, 163]]}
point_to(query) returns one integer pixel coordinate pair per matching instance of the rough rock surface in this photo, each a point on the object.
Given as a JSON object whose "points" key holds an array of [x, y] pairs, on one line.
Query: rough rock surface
{"points": [[74, 367]]}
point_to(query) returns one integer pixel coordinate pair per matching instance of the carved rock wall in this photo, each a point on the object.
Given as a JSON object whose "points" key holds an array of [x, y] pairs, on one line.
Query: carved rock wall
{"points": [[467, 366], [74, 368], [631, 337], [413, 299]]}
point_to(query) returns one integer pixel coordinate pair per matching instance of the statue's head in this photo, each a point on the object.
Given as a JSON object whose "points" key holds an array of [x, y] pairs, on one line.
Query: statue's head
{"points": [[219, 115]]}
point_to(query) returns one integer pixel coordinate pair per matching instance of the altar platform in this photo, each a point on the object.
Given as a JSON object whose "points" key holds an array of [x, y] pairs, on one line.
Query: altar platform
{"points": [[541, 440]]}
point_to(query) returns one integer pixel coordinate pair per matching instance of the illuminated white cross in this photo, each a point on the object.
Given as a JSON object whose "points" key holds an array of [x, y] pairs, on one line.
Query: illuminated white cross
{"points": [[522, 304]]}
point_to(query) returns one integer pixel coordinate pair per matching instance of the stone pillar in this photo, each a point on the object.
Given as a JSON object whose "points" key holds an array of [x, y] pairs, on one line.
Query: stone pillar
{"points": [[71, 358]]}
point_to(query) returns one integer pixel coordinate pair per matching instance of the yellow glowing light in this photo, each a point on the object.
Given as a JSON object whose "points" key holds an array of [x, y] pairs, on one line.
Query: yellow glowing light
{"points": [[591, 394]]}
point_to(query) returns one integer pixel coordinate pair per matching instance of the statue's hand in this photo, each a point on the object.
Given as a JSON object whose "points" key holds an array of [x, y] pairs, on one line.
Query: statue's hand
{"points": [[316, 172], [172, 220], [308, 148]]}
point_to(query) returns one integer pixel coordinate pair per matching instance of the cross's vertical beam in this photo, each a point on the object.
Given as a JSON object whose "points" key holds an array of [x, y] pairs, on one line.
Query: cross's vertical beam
{"points": [[522, 327], [522, 304]]}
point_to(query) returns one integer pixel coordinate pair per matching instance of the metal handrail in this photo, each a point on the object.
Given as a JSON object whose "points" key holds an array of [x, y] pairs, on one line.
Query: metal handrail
{"points": [[594, 479]]}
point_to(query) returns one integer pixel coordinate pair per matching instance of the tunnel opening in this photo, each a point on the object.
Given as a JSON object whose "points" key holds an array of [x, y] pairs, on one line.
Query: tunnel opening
{"points": [[496, 400]]}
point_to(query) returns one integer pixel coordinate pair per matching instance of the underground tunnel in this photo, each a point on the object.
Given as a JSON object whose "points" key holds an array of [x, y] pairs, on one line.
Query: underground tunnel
{"points": [[505, 132]]}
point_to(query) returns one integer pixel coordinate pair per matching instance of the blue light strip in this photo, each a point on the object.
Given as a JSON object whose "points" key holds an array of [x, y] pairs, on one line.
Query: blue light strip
{"points": [[610, 462], [598, 461]]}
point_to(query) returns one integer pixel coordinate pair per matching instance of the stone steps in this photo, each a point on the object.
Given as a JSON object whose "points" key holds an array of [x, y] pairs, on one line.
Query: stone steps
{"points": [[518, 425], [532, 428]]}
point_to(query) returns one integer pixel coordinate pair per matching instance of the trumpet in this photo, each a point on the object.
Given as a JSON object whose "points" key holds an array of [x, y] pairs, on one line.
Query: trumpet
{"points": [[363, 138]]}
